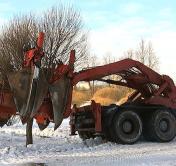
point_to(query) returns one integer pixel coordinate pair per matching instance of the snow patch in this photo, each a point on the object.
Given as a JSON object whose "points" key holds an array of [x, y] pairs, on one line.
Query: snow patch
{"points": [[58, 148]]}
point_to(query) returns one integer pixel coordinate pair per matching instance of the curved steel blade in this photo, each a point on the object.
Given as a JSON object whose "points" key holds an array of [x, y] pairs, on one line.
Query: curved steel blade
{"points": [[29, 91], [59, 92], [21, 86], [41, 89]]}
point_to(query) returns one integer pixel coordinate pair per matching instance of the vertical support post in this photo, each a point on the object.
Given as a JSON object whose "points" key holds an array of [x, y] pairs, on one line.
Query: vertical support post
{"points": [[72, 120], [96, 108], [29, 138]]}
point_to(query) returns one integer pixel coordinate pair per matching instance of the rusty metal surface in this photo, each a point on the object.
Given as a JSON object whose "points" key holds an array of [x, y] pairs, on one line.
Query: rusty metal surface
{"points": [[41, 89], [21, 87], [45, 114], [28, 92], [59, 92]]}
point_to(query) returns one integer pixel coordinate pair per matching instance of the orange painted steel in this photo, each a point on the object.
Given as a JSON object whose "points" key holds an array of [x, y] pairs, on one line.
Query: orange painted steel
{"points": [[34, 54], [7, 106], [45, 112]]}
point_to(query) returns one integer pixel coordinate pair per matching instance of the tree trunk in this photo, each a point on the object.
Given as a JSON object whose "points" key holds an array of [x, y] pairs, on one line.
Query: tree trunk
{"points": [[92, 88], [29, 139]]}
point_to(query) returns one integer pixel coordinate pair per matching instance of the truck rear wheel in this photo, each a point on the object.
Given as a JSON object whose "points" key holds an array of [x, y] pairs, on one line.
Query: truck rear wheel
{"points": [[127, 127], [160, 126]]}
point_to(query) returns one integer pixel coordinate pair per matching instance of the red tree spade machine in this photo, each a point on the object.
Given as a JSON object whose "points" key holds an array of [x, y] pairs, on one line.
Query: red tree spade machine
{"points": [[149, 112]]}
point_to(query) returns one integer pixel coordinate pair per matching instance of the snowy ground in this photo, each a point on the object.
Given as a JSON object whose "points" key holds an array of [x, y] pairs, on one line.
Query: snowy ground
{"points": [[58, 148]]}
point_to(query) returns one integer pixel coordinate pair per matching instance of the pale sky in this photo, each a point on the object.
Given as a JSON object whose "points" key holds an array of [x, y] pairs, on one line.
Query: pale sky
{"points": [[116, 25]]}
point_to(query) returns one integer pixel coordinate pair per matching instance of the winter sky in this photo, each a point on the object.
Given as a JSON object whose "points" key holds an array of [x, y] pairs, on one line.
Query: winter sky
{"points": [[117, 25]]}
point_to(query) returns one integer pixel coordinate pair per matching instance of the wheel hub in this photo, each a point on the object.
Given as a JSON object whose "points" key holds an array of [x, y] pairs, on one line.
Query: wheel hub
{"points": [[127, 126], [163, 125]]}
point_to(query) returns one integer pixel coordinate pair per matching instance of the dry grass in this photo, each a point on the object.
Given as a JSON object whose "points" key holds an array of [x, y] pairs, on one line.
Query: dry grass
{"points": [[103, 95], [124, 99], [79, 97], [109, 95], [103, 101]]}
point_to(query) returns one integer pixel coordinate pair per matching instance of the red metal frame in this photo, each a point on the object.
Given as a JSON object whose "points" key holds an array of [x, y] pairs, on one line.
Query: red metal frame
{"points": [[7, 106], [33, 55], [95, 108], [45, 112]]}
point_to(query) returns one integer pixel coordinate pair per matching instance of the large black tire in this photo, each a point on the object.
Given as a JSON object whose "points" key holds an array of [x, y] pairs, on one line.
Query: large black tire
{"points": [[127, 127], [107, 118], [160, 126], [86, 135], [109, 133]]}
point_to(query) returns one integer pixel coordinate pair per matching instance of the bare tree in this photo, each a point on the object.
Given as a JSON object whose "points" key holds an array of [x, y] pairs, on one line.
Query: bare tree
{"points": [[108, 58], [153, 60], [63, 30], [129, 54], [29, 138], [19, 31], [144, 53], [92, 62]]}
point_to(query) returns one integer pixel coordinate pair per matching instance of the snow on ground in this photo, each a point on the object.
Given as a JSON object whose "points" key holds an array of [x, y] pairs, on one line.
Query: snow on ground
{"points": [[58, 148]]}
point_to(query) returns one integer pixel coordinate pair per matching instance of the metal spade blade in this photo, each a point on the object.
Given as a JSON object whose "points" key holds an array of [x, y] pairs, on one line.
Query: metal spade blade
{"points": [[21, 85], [29, 90], [41, 89], [59, 92]]}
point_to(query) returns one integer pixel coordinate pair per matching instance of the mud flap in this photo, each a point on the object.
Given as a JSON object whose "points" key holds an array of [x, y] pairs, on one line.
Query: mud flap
{"points": [[28, 92], [59, 92]]}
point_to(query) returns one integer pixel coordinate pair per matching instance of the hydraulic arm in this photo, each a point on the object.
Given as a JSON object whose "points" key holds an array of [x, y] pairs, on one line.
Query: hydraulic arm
{"points": [[153, 87]]}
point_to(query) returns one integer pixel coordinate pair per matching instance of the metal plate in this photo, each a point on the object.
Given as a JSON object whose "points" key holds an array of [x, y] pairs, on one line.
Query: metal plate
{"points": [[28, 92], [59, 92], [21, 86]]}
